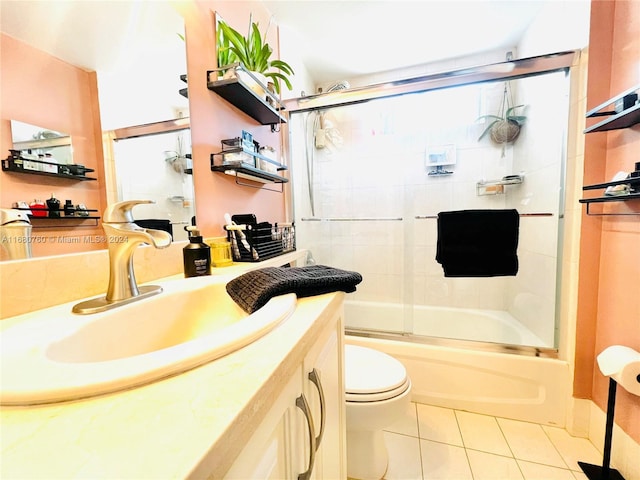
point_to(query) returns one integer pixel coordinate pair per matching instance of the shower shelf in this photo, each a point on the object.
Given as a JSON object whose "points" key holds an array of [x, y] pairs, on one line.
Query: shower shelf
{"points": [[240, 94], [494, 187]]}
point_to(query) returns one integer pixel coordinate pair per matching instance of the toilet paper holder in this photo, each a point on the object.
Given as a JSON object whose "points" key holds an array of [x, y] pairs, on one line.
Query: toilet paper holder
{"points": [[606, 358]]}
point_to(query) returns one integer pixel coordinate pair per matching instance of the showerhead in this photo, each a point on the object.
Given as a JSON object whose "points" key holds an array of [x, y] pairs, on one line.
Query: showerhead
{"points": [[342, 85]]}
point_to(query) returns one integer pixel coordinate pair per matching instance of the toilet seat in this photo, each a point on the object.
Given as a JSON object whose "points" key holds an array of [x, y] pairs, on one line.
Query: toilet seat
{"points": [[373, 376]]}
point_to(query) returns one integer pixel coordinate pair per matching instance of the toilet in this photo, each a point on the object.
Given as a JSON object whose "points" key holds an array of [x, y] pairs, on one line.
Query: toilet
{"points": [[378, 392]]}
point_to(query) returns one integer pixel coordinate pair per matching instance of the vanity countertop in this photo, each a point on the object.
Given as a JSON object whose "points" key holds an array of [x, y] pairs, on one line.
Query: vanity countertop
{"points": [[191, 425]]}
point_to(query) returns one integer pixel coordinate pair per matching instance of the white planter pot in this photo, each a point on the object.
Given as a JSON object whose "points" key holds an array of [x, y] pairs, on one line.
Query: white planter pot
{"points": [[258, 87]]}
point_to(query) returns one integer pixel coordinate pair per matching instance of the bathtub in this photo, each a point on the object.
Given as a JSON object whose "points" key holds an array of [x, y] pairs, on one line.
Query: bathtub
{"points": [[495, 326], [472, 376]]}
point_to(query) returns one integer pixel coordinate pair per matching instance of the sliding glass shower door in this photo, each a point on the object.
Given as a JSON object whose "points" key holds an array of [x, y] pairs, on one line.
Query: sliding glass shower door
{"points": [[371, 178]]}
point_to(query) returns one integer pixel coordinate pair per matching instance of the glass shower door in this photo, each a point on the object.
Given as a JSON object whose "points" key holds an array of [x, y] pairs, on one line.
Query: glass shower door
{"points": [[349, 203]]}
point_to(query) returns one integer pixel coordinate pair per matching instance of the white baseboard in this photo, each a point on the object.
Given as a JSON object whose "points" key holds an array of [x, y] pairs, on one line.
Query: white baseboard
{"points": [[587, 420]]}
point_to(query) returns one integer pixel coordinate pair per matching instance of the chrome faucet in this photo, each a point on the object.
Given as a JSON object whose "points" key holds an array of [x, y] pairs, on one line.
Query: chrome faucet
{"points": [[123, 236]]}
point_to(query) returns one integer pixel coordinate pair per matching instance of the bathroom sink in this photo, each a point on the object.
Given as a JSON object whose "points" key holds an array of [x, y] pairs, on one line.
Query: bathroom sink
{"points": [[54, 355]]}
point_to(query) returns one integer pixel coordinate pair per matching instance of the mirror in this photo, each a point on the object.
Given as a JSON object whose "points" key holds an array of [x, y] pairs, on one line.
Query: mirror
{"points": [[137, 52], [157, 167], [41, 143]]}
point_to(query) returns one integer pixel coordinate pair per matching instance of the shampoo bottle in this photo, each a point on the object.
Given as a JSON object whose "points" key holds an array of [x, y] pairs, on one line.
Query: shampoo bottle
{"points": [[196, 255]]}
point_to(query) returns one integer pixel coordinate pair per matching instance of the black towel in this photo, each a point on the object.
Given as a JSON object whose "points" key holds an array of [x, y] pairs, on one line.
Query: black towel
{"points": [[478, 243], [254, 289]]}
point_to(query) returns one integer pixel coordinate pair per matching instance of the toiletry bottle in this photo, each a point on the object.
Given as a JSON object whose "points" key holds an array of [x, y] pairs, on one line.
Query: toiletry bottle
{"points": [[53, 204], [196, 255], [69, 209]]}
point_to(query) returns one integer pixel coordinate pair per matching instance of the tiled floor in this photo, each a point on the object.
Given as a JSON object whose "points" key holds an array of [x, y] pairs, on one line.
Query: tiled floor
{"points": [[439, 443]]}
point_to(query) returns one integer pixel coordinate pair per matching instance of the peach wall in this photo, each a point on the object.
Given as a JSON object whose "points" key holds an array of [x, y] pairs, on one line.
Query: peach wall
{"points": [[42, 90], [609, 310], [213, 119]]}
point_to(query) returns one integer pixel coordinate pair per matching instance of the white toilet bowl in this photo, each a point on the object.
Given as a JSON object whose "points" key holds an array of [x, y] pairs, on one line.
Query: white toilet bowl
{"points": [[377, 394]]}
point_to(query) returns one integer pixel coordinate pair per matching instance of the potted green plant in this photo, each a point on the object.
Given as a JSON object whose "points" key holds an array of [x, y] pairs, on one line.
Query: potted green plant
{"points": [[253, 52], [505, 127]]}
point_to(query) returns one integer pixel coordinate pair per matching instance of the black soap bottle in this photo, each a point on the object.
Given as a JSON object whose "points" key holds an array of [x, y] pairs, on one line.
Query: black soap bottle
{"points": [[196, 255], [69, 209]]}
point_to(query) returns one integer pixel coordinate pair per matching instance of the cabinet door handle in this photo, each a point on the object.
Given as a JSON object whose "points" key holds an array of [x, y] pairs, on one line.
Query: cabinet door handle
{"points": [[315, 378], [301, 403]]}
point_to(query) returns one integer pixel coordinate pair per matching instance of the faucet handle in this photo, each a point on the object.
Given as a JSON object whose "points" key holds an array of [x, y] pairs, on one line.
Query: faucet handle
{"points": [[120, 212]]}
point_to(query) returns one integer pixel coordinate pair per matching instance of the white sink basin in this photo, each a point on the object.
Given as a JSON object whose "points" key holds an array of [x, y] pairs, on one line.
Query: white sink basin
{"points": [[53, 355]]}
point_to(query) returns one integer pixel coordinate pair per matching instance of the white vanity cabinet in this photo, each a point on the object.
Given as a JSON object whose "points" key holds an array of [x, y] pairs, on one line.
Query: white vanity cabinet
{"points": [[323, 384], [306, 423]]}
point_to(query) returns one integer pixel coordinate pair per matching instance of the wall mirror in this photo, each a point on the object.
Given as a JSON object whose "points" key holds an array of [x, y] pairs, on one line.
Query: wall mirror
{"points": [[138, 52], [41, 142]]}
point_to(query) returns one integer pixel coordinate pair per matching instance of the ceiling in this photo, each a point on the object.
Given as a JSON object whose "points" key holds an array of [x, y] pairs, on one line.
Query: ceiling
{"points": [[100, 35], [342, 39], [336, 39]]}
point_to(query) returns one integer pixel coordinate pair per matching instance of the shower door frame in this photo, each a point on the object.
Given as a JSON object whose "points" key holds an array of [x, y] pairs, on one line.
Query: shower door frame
{"points": [[509, 70]]}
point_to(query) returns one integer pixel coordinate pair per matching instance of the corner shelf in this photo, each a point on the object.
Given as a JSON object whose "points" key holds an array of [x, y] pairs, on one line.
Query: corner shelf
{"points": [[612, 198], [616, 120], [238, 93], [33, 167]]}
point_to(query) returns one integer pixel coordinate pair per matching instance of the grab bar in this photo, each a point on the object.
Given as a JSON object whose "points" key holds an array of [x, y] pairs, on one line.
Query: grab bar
{"points": [[347, 219], [541, 214]]}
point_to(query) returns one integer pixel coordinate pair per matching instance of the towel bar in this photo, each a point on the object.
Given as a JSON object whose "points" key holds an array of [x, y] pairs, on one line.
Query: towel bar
{"points": [[347, 219], [541, 214]]}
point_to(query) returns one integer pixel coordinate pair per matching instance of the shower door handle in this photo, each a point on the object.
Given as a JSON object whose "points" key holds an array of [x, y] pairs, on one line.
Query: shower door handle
{"points": [[302, 404], [314, 377]]}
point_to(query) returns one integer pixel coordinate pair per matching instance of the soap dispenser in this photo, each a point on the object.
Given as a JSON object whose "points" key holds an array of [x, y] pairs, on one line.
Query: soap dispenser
{"points": [[196, 255]]}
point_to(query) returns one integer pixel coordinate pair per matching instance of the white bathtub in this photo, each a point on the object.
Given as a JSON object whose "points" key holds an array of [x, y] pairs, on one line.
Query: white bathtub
{"points": [[522, 387], [495, 326]]}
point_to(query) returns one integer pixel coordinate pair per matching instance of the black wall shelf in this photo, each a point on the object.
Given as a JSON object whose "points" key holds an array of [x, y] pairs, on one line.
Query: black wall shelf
{"points": [[616, 120], [625, 113], [633, 182], [60, 222], [246, 170], [184, 91], [18, 165], [239, 94], [42, 221]]}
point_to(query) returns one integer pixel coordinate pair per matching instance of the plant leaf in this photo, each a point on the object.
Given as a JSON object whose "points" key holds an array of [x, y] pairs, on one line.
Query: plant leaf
{"points": [[486, 130], [284, 66], [277, 75], [495, 117], [520, 119], [251, 51], [511, 109]]}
